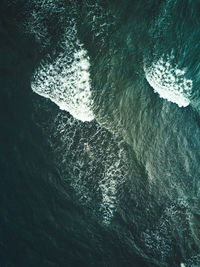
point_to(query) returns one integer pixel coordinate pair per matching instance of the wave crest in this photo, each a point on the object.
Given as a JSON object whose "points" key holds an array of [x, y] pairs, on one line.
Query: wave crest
{"points": [[169, 82], [66, 81]]}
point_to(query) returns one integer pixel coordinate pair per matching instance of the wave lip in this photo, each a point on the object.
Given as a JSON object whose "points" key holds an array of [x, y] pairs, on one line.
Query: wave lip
{"points": [[169, 82]]}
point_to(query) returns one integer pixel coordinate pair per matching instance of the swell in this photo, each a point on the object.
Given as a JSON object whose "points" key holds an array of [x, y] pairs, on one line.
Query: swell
{"points": [[110, 79], [163, 136]]}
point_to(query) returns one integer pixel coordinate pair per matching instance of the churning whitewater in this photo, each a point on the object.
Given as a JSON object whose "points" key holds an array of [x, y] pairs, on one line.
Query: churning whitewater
{"points": [[169, 82], [67, 77], [66, 80], [114, 93]]}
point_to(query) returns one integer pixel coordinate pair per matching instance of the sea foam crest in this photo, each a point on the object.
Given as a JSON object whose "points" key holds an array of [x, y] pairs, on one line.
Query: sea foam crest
{"points": [[169, 81], [66, 80]]}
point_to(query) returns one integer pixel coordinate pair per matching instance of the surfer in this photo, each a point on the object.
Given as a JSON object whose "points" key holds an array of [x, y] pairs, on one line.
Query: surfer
{"points": [[86, 146]]}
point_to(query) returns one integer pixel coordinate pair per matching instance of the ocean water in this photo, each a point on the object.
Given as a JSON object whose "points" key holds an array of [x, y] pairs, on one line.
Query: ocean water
{"points": [[100, 138]]}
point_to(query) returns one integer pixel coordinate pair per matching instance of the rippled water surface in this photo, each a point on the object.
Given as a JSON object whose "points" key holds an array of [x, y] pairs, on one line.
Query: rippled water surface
{"points": [[100, 133]]}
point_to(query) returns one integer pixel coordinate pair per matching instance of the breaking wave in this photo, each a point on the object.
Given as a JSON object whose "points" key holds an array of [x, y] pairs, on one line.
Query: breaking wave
{"points": [[98, 173], [169, 81], [66, 80]]}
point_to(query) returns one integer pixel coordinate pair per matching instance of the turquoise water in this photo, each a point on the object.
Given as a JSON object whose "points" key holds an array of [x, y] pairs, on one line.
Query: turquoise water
{"points": [[101, 163]]}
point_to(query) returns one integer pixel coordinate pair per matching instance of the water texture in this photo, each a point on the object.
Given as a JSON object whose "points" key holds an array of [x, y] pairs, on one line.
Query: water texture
{"points": [[100, 133]]}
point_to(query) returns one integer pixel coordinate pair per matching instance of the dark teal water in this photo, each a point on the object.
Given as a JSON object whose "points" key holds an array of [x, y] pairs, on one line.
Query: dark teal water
{"points": [[99, 133]]}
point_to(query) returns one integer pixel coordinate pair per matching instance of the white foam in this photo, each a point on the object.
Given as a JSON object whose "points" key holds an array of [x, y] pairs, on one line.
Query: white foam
{"points": [[66, 80], [169, 81], [108, 186], [36, 19], [97, 173]]}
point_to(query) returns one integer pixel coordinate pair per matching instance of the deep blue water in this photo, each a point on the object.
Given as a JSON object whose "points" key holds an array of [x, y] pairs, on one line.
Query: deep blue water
{"points": [[99, 137]]}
